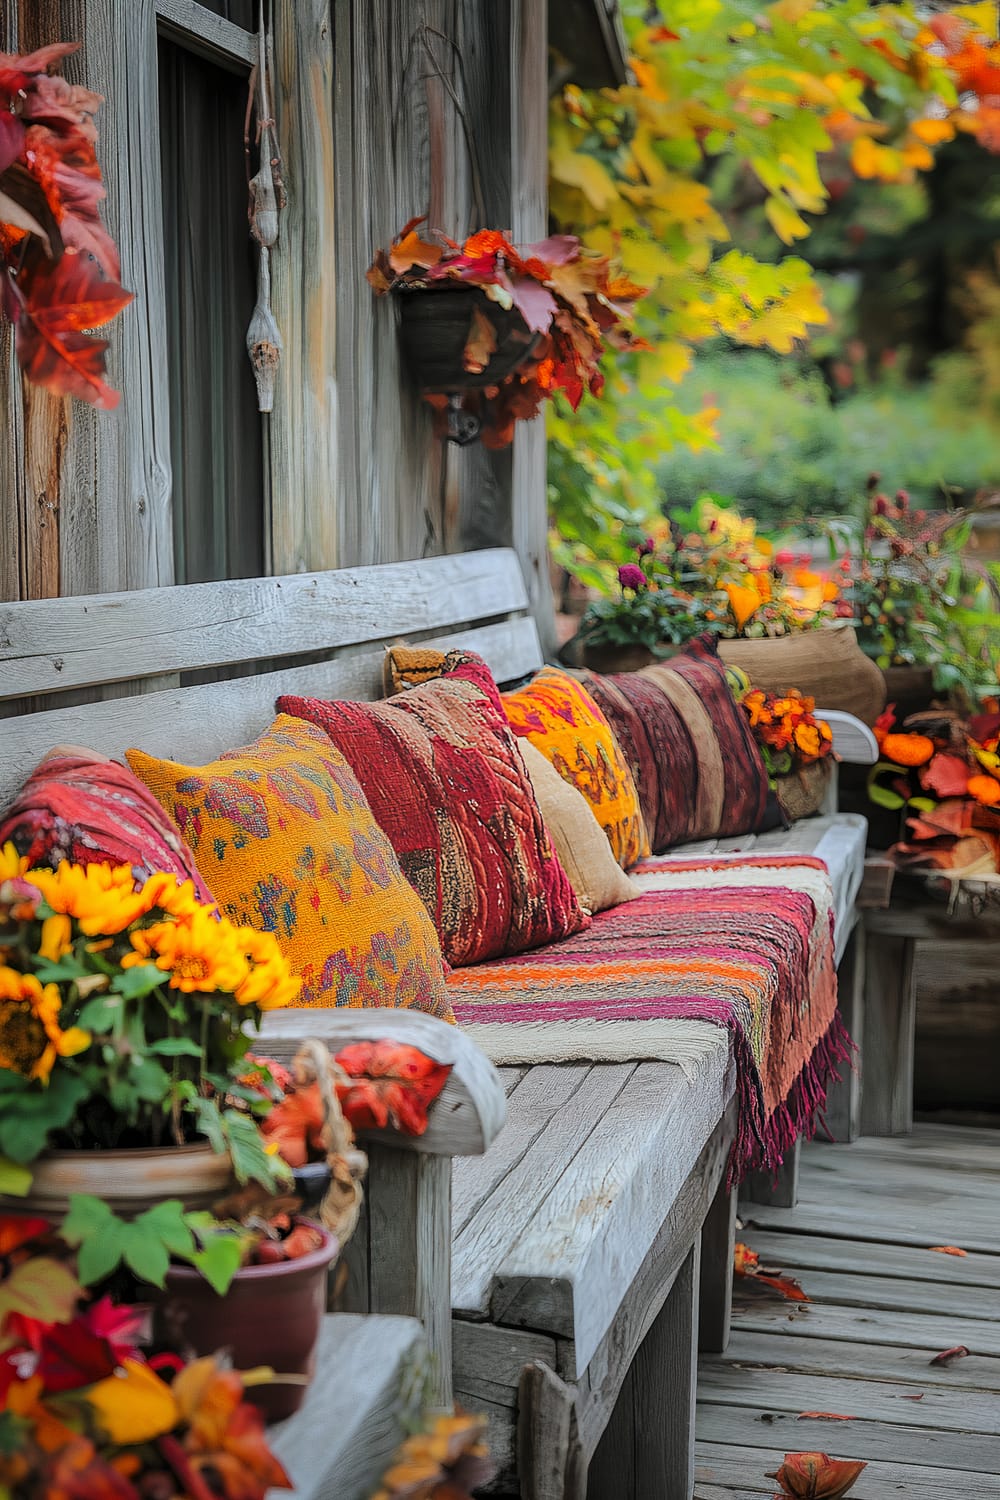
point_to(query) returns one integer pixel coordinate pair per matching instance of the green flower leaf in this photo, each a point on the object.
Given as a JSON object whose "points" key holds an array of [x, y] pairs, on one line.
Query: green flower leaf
{"points": [[15, 1180]]}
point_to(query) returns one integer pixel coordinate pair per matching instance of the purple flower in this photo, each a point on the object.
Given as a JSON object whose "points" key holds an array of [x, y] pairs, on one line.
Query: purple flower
{"points": [[902, 498], [631, 576], [646, 548], [880, 505]]}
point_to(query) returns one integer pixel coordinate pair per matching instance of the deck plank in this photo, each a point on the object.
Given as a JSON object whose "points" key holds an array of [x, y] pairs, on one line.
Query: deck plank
{"points": [[882, 1306]]}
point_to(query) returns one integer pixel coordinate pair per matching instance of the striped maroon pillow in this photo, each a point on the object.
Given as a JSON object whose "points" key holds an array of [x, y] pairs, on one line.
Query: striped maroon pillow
{"points": [[696, 764]]}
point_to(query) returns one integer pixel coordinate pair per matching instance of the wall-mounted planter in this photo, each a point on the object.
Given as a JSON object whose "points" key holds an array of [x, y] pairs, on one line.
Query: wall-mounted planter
{"points": [[434, 328]]}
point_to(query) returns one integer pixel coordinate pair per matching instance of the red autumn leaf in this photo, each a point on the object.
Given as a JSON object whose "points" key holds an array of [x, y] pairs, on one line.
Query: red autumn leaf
{"points": [[295, 1125], [825, 1416], [71, 1356], [19, 1229], [534, 302], [945, 776], [391, 1084], [817, 1476], [57, 302], [480, 344], [124, 1328], [918, 1397], [948, 1356], [948, 1250]]}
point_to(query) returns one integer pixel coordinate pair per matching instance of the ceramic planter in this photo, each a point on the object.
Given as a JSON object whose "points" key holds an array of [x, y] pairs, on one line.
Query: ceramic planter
{"points": [[271, 1315], [434, 329], [129, 1181]]}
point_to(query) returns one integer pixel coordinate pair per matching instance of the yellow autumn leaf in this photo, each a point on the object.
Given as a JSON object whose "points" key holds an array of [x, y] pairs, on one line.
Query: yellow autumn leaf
{"points": [[933, 132], [577, 169], [786, 223], [134, 1405], [983, 16], [790, 11]]}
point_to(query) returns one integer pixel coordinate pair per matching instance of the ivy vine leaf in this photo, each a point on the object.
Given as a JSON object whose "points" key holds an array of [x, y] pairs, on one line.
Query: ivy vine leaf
{"points": [[145, 1244], [28, 1112], [219, 1260]]}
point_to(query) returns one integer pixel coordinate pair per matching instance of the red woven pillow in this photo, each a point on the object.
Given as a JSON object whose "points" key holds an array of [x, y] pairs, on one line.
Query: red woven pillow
{"points": [[689, 747], [447, 784], [82, 807]]}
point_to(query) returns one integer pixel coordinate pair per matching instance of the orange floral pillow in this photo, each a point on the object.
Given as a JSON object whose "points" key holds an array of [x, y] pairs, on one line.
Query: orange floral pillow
{"points": [[284, 838], [561, 719]]}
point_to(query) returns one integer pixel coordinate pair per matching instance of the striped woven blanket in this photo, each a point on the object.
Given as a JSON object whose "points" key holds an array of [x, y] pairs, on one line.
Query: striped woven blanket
{"points": [[728, 941]]}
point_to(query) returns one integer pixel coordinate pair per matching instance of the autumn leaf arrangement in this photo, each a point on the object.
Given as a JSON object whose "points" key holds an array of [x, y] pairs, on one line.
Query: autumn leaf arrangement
{"points": [[940, 772], [570, 305], [786, 728], [59, 268], [89, 1409]]}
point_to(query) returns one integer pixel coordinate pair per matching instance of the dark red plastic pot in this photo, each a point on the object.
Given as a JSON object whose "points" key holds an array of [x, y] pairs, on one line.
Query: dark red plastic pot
{"points": [[271, 1315]]}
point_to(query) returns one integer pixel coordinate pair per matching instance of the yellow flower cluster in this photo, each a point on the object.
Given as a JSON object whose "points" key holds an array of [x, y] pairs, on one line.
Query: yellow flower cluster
{"points": [[200, 950], [30, 1035]]}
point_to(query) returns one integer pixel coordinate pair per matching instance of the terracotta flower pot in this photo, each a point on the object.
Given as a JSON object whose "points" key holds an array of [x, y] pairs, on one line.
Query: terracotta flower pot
{"points": [[129, 1181], [271, 1315], [434, 329]]}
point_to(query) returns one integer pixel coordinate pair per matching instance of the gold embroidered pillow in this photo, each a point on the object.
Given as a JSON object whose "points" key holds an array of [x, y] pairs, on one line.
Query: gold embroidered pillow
{"points": [[561, 719], [284, 837]]}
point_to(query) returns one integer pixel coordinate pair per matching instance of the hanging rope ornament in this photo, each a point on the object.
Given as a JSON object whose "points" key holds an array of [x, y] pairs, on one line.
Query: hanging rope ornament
{"points": [[266, 199]]}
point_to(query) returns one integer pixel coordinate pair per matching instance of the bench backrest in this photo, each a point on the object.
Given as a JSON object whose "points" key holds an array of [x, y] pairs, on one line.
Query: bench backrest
{"points": [[333, 624]]}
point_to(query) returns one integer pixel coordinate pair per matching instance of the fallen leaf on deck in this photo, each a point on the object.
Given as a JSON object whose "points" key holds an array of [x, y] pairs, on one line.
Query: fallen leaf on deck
{"points": [[825, 1416], [948, 1250], [948, 1356], [816, 1476], [787, 1286], [919, 1397]]}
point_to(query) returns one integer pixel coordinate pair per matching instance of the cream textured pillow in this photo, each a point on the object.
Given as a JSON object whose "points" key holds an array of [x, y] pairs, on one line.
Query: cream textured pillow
{"points": [[580, 842]]}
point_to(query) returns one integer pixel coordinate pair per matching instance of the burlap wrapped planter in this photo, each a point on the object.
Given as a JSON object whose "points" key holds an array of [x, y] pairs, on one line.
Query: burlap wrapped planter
{"points": [[827, 664], [802, 791]]}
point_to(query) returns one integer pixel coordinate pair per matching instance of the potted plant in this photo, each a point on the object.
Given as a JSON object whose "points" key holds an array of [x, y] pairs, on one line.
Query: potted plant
{"points": [[492, 331], [88, 1408], [125, 1020], [646, 621], [797, 748], [924, 610], [59, 268]]}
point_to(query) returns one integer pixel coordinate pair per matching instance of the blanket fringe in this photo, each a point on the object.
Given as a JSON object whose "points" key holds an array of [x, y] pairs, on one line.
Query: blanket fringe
{"points": [[761, 1143]]}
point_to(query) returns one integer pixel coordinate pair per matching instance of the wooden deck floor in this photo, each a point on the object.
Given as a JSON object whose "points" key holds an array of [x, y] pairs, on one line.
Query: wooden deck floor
{"points": [[882, 1306]]}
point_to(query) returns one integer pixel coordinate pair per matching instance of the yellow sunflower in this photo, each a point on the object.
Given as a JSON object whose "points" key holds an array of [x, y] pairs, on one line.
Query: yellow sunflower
{"points": [[200, 953], [270, 984], [30, 1035], [102, 898]]}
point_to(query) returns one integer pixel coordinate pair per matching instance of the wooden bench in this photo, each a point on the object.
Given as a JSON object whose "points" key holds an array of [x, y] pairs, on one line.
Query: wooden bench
{"points": [[581, 1237]]}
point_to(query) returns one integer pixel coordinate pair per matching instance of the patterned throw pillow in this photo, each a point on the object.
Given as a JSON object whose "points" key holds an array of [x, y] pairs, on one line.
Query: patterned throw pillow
{"points": [[585, 854], [562, 720], [446, 782], [283, 835], [692, 753], [80, 806]]}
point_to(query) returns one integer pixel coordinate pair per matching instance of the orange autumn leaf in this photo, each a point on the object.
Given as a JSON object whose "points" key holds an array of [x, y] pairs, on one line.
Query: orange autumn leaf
{"points": [[295, 1125], [825, 1416], [411, 250], [948, 1250], [390, 1084], [787, 1286], [816, 1476], [480, 344], [745, 1260], [133, 1405], [743, 602]]}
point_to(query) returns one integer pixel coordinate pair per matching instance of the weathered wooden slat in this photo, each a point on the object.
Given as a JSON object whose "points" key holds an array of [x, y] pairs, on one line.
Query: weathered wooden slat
{"points": [[846, 1214], [647, 1451], [746, 1469], [841, 1118], [718, 1237], [870, 1361], [892, 1178], [858, 1326], [207, 33], [488, 1361], [482, 1246], [849, 1289], [862, 1399], [745, 1426], [545, 1092], [306, 504], [54, 645], [955, 1147], [470, 1110], [196, 724], [588, 1239], [809, 1252], [344, 1436], [544, 1429], [780, 1186]]}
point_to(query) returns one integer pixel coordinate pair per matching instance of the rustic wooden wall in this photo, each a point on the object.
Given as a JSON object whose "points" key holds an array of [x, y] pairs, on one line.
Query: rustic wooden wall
{"points": [[385, 110]]}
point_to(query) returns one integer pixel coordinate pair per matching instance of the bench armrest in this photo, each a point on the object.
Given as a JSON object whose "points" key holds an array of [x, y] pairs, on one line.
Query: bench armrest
{"points": [[853, 741], [399, 1260], [471, 1107]]}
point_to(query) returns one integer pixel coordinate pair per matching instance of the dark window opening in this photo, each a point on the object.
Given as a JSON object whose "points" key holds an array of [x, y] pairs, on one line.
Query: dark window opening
{"points": [[216, 433]]}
